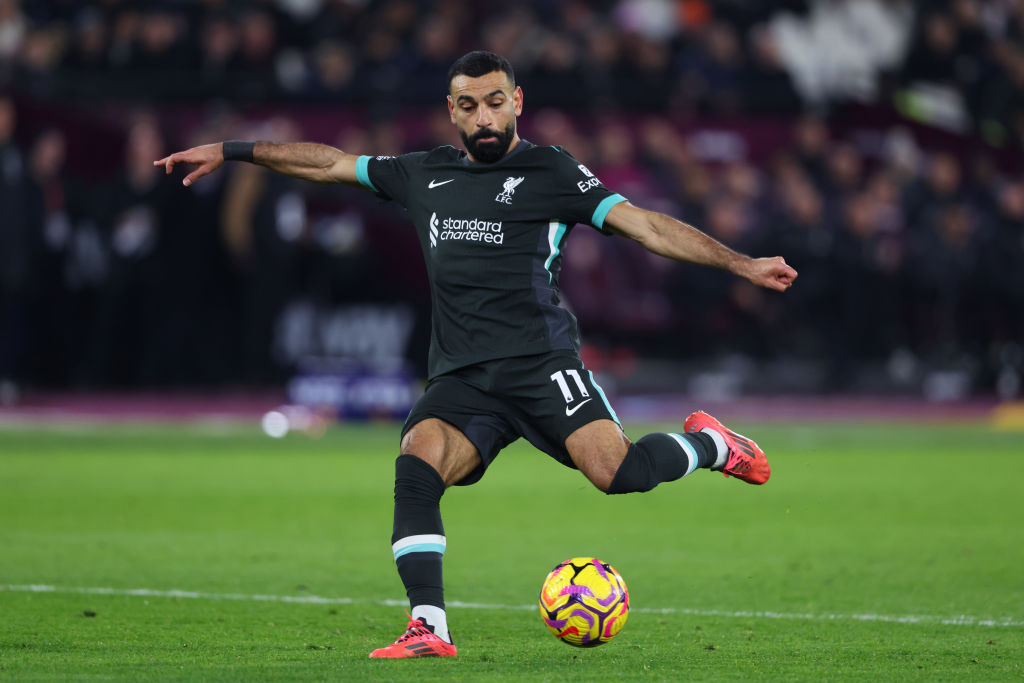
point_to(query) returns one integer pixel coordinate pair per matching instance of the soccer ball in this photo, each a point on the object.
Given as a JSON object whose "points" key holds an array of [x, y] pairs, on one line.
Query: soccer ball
{"points": [[584, 602]]}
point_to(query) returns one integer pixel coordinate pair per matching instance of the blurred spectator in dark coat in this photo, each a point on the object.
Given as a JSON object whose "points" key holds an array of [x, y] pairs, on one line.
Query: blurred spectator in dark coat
{"points": [[124, 30], [163, 58], [86, 53], [161, 43], [811, 147], [865, 267], [712, 72], [800, 229], [605, 68], [767, 86], [197, 296], [40, 56], [334, 73], [138, 206], [20, 219], [219, 40], [975, 69], [437, 46], [845, 170], [694, 187], [942, 185], [721, 316], [933, 51], [555, 127], [742, 181], [557, 72], [943, 262], [617, 164], [665, 156], [1003, 270], [255, 77], [55, 320]]}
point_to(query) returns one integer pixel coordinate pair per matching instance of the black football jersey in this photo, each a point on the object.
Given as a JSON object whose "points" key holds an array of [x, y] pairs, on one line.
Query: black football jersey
{"points": [[492, 236]]}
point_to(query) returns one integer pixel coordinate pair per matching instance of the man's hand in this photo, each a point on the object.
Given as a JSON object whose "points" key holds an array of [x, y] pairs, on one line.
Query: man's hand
{"points": [[772, 273], [208, 158]]}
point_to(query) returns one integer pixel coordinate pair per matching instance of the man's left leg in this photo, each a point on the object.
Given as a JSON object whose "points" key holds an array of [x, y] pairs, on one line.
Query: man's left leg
{"points": [[615, 465], [590, 434]]}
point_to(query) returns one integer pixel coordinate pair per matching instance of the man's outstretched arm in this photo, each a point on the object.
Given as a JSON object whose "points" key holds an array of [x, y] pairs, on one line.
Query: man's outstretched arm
{"points": [[676, 240], [306, 160]]}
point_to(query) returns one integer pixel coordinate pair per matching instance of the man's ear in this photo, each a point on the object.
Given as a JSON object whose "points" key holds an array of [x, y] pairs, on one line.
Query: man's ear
{"points": [[451, 109]]}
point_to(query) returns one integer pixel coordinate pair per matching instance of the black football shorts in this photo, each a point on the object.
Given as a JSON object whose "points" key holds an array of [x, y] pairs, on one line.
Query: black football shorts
{"points": [[543, 398]]}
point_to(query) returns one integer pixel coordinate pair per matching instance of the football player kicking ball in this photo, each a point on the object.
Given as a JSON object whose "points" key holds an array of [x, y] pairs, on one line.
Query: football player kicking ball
{"points": [[504, 356]]}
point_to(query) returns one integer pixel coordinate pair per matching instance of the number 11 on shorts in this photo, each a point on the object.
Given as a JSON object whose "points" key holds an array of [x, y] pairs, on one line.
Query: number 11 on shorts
{"points": [[559, 379]]}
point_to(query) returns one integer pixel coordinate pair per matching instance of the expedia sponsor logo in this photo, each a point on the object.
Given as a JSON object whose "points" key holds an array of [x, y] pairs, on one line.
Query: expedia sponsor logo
{"points": [[590, 182], [465, 229]]}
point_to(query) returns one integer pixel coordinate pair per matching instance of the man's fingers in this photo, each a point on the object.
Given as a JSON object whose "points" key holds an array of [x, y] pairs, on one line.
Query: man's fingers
{"points": [[781, 277], [197, 174], [786, 273], [167, 162]]}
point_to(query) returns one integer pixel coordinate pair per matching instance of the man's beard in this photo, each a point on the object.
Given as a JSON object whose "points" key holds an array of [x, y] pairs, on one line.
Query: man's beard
{"points": [[489, 152]]}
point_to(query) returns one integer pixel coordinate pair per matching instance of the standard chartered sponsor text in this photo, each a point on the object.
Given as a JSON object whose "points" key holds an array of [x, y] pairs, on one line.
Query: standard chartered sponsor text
{"points": [[472, 229]]}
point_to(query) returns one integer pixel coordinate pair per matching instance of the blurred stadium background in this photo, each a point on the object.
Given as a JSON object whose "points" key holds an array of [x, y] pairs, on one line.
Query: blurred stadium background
{"points": [[876, 145]]}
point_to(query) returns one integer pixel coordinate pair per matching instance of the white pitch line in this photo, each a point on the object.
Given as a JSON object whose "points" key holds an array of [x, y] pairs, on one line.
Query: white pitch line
{"points": [[958, 620]]}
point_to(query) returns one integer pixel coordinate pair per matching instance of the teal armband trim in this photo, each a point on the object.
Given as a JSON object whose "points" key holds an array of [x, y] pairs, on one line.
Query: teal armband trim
{"points": [[603, 208], [363, 173]]}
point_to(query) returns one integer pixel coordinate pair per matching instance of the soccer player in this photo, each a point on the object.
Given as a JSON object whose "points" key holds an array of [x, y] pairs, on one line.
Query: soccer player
{"points": [[504, 356]]}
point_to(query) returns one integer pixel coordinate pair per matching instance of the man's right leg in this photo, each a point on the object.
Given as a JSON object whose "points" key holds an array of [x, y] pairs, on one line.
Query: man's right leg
{"points": [[435, 455]]}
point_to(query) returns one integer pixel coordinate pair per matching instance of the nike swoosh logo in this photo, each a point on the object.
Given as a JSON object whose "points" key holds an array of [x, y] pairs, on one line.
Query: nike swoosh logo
{"points": [[434, 183], [569, 413]]}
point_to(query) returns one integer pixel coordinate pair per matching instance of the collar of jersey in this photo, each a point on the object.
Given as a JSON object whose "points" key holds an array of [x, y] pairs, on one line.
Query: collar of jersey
{"points": [[523, 145]]}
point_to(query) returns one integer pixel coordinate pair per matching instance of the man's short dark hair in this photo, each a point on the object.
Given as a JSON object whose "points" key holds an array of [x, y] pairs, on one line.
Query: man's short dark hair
{"points": [[480, 63]]}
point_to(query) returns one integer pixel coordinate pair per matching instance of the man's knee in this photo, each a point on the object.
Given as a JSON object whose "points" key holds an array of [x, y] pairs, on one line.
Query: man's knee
{"points": [[443, 447], [426, 441], [598, 450], [601, 472]]}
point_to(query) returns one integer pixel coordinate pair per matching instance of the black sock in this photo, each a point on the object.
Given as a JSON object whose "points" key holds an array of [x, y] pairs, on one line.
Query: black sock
{"points": [[707, 451], [662, 457], [418, 538]]}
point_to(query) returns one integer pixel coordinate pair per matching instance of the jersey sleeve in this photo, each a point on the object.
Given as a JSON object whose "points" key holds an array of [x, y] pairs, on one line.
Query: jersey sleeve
{"points": [[581, 196], [386, 176]]}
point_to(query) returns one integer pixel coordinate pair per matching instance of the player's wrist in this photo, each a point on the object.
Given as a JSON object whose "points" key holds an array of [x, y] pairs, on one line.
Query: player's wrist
{"points": [[238, 150], [742, 266]]}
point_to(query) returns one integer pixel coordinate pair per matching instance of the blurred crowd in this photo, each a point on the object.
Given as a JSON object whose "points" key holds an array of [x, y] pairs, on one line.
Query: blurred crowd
{"points": [[724, 57], [396, 52], [908, 259], [113, 275]]}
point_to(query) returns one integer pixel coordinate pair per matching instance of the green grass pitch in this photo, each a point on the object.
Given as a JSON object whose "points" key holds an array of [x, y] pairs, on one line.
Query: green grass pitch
{"points": [[876, 552]]}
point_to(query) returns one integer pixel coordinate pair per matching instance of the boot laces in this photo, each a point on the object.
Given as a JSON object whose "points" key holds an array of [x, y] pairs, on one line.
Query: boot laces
{"points": [[414, 629]]}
